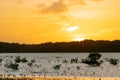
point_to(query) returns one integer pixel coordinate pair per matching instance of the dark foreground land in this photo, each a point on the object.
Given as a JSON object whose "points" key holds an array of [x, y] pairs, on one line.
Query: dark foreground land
{"points": [[16, 78], [82, 46], [57, 78]]}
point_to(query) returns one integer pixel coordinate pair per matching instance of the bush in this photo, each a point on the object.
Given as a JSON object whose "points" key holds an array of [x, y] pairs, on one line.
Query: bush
{"points": [[57, 67], [33, 60], [113, 61], [29, 64], [0, 60], [78, 67], [13, 66], [18, 59], [65, 61], [74, 60], [24, 60], [94, 56], [92, 59]]}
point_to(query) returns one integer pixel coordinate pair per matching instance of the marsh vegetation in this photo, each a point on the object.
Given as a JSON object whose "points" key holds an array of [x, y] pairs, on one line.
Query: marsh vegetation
{"points": [[91, 65]]}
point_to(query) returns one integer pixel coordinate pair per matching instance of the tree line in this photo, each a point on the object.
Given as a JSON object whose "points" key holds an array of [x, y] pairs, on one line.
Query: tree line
{"points": [[82, 46]]}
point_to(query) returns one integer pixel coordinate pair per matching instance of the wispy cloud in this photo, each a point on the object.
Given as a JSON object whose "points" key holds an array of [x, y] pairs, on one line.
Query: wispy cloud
{"points": [[60, 6], [55, 7], [70, 28]]}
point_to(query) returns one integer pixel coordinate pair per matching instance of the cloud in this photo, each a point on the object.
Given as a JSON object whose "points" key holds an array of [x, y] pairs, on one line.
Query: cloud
{"points": [[55, 7], [70, 29], [60, 6]]}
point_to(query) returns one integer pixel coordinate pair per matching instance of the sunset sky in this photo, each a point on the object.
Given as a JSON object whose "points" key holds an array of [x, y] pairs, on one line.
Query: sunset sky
{"points": [[38, 21]]}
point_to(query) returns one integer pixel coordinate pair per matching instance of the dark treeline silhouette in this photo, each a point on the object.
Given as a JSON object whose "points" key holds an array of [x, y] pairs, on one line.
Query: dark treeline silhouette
{"points": [[83, 46]]}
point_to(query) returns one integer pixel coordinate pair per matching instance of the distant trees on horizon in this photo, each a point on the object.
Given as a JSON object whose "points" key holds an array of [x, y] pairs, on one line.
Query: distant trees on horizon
{"points": [[82, 46]]}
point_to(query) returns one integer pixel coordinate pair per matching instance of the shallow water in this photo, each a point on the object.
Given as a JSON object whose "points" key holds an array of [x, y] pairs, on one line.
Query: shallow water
{"points": [[82, 55]]}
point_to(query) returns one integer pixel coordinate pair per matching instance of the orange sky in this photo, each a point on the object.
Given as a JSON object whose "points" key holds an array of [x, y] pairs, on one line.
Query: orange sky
{"points": [[37, 21]]}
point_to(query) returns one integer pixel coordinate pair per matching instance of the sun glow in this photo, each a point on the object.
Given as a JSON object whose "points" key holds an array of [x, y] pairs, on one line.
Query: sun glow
{"points": [[71, 29], [40, 21], [78, 39], [82, 14]]}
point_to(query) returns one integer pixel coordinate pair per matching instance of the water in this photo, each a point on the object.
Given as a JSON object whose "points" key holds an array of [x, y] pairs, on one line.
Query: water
{"points": [[82, 55]]}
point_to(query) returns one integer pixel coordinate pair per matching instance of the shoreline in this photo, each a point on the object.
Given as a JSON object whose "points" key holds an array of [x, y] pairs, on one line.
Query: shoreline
{"points": [[52, 77], [58, 78]]}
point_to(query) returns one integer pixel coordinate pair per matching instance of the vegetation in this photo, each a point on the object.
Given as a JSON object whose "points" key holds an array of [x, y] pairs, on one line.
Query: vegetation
{"points": [[92, 59], [78, 67], [74, 60], [83, 46], [65, 61], [33, 60], [15, 78], [53, 78], [13, 66], [24, 60], [30, 64], [0, 60], [113, 61], [57, 67], [18, 60]]}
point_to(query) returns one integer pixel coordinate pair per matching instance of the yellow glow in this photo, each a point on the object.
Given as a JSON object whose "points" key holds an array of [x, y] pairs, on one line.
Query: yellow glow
{"points": [[37, 21], [83, 14], [71, 29], [78, 39]]}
